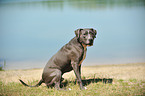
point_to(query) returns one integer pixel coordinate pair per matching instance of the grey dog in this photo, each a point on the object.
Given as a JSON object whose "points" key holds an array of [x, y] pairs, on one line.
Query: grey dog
{"points": [[68, 58]]}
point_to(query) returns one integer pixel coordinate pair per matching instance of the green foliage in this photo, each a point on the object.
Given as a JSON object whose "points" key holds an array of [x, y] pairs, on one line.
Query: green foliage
{"points": [[117, 88], [120, 80], [1, 68]]}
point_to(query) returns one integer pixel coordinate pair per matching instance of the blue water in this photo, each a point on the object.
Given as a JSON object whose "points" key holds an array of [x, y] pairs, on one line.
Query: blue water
{"points": [[31, 31]]}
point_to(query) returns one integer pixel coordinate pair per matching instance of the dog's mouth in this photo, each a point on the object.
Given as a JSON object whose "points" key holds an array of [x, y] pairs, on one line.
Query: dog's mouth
{"points": [[89, 44]]}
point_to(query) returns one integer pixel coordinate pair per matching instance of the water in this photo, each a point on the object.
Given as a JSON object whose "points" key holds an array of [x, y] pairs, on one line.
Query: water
{"points": [[31, 31]]}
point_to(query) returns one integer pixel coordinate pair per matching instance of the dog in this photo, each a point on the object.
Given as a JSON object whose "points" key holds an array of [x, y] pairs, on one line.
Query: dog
{"points": [[68, 58]]}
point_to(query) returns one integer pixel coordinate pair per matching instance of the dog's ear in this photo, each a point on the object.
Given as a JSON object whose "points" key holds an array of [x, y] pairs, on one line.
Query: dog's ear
{"points": [[77, 32], [95, 32]]}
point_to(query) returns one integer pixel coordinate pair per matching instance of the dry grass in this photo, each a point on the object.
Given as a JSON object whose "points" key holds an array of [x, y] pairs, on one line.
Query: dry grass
{"points": [[128, 80], [122, 71]]}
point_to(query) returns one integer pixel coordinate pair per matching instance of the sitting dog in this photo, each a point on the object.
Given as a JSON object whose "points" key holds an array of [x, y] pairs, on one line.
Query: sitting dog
{"points": [[68, 58]]}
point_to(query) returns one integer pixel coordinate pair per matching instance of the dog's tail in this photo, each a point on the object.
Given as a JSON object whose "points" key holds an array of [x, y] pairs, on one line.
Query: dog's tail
{"points": [[38, 84]]}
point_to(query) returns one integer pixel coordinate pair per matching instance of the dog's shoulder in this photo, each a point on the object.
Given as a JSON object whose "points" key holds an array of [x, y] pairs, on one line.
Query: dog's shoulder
{"points": [[73, 47]]}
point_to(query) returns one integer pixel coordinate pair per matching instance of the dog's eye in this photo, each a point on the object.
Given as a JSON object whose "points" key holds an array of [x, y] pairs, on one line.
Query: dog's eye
{"points": [[92, 34], [86, 33]]}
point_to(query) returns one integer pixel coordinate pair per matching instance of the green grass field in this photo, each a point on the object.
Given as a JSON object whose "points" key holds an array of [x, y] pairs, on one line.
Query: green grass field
{"points": [[101, 80]]}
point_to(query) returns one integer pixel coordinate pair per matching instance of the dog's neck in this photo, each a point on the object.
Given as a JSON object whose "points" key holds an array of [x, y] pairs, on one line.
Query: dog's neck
{"points": [[84, 52], [84, 46], [82, 43]]}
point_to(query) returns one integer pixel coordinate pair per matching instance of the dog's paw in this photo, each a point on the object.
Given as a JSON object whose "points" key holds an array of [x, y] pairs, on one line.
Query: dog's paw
{"points": [[85, 88], [69, 88]]}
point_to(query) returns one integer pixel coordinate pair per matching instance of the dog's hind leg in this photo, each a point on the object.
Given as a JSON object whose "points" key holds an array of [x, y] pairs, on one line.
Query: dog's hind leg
{"points": [[56, 78]]}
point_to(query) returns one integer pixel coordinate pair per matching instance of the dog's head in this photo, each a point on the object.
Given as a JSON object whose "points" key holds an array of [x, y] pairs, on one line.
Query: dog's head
{"points": [[86, 36]]}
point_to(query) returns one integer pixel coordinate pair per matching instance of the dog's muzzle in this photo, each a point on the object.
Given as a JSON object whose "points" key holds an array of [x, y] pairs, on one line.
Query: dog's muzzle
{"points": [[90, 42]]}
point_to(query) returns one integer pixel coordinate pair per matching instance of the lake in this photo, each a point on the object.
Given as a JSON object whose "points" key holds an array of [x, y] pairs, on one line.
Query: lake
{"points": [[31, 31]]}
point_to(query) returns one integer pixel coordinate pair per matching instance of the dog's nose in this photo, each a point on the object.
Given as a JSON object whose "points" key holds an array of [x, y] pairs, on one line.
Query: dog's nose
{"points": [[91, 40]]}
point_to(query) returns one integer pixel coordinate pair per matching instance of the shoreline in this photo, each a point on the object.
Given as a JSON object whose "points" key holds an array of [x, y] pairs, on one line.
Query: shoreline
{"points": [[91, 65]]}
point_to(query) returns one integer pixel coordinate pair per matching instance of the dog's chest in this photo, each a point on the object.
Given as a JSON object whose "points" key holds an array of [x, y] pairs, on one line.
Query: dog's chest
{"points": [[83, 55]]}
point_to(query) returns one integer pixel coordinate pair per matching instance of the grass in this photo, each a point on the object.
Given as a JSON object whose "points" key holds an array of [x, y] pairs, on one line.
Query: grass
{"points": [[130, 81]]}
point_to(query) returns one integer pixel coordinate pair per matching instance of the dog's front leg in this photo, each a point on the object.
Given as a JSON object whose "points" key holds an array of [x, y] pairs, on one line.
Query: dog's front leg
{"points": [[76, 69], [79, 73]]}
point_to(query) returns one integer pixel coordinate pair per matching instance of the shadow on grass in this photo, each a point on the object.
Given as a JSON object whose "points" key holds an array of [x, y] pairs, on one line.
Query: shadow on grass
{"points": [[104, 80], [88, 81]]}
